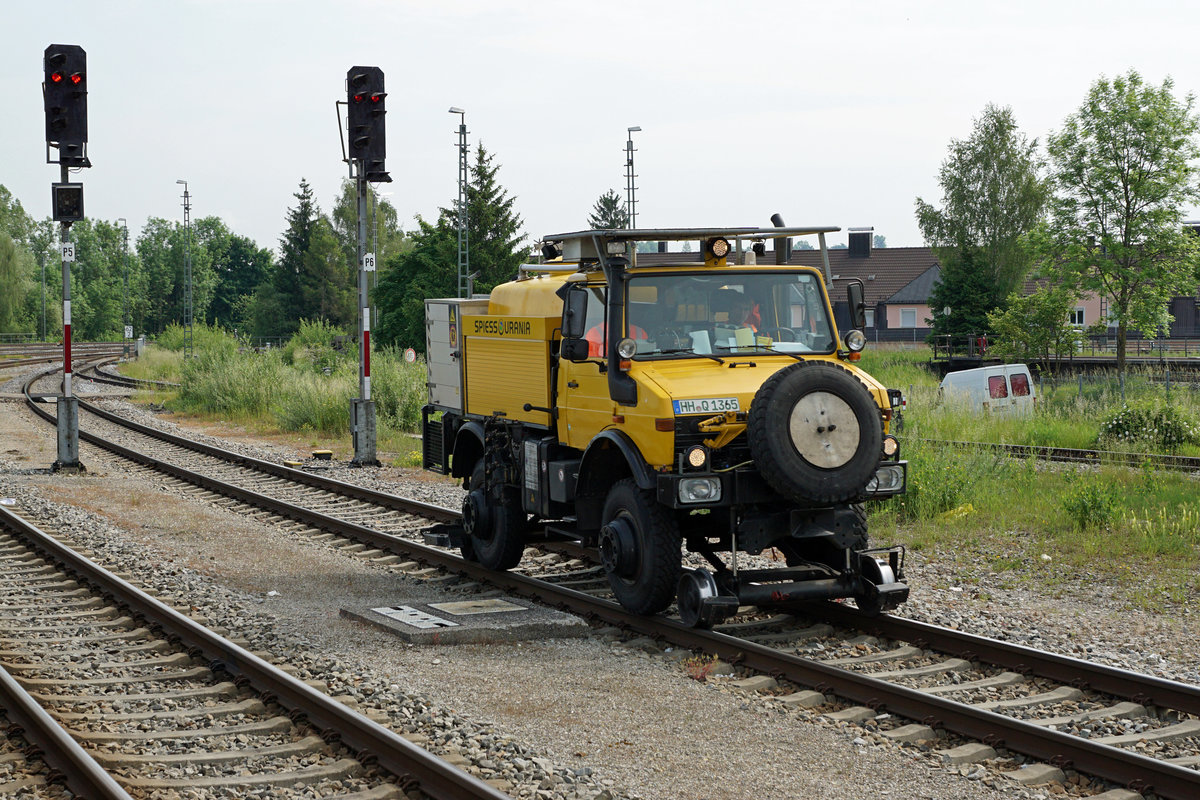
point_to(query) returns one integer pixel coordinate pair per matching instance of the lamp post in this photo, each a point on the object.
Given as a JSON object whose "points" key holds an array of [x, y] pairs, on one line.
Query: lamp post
{"points": [[464, 256], [630, 188], [125, 334], [187, 271]]}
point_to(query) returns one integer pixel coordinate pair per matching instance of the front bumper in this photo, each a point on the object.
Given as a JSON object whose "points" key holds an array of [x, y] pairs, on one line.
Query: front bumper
{"points": [[693, 490]]}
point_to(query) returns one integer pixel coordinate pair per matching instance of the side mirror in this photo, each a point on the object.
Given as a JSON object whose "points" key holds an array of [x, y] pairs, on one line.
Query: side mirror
{"points": [[858, 308], [574, 312], [574, 350]]}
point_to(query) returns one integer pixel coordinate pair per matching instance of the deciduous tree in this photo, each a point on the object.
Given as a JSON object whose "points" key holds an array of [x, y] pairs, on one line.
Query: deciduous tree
{"points": [[993, 196], [1122, 168]]}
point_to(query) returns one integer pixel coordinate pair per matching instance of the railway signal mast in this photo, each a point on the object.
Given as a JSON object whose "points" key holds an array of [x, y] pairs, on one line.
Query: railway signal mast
{"points": [[64, 93], [367, 149]]}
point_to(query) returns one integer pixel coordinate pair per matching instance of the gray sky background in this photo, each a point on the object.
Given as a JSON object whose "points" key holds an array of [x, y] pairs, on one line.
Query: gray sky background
{"points": [[828, 113]]}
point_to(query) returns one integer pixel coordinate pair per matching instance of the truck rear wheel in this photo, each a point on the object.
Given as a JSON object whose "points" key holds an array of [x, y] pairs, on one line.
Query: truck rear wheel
{"points": [[640, 549], [494, 523], [816, 433]]}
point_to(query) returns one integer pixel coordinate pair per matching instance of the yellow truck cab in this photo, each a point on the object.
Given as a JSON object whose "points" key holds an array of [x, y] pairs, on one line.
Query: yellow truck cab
{"points": [[644, 408]]}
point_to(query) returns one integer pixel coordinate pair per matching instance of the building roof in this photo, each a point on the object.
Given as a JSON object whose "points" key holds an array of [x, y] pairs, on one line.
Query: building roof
{"points": [[884, 273]]}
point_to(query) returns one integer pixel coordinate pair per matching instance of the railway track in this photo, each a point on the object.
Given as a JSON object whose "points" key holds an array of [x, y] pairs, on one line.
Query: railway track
{"points": [[1136, 730], [26, 355], [161, 703], [1076, 456]]}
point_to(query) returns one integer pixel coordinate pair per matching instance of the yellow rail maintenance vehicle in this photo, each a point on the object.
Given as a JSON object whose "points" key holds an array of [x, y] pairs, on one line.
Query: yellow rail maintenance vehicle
{"points": [[644, 407]]}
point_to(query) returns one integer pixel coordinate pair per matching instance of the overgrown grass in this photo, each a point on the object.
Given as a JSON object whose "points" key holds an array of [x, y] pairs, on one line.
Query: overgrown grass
{"points": [[1025, 520], [304, 387], [1068, 414]]}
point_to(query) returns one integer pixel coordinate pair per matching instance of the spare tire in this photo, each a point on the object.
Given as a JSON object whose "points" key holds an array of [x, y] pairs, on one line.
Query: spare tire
{"points": [[815, 433]]}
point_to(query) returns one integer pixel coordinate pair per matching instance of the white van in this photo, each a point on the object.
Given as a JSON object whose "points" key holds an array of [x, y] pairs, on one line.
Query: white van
{"points": [[1002, 389]]}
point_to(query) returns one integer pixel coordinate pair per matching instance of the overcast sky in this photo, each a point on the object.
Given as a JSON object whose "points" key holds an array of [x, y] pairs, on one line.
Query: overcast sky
{"points": [[828, 113]]}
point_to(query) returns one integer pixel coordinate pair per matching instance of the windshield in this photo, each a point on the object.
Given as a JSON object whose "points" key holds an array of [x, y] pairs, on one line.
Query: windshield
{"points": [[681, 314]]}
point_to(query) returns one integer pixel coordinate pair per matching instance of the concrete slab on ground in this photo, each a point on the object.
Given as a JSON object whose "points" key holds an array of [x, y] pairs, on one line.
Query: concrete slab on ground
{"points": [[493, 619]]}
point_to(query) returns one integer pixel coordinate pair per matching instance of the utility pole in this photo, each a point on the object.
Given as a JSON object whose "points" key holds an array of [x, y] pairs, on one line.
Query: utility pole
{"points": [[630, 175], [187, 271], [64, 92], [365, 99], [464, 254]]}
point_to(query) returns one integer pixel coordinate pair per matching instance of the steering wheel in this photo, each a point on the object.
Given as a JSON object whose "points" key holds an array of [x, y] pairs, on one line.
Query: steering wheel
{"points": [[669, 336], [784, 334]]}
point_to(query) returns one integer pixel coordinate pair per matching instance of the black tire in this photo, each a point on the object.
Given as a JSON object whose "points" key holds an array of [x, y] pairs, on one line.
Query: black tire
{"points": [[645, 573], [815, 433], [496, 531]]}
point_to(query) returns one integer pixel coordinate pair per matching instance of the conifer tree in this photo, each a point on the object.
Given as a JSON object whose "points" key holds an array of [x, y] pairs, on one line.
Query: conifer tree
{"points": [[608, 213]]}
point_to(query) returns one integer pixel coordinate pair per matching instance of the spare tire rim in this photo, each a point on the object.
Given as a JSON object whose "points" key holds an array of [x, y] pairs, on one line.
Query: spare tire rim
{"points": [[824, 430]]}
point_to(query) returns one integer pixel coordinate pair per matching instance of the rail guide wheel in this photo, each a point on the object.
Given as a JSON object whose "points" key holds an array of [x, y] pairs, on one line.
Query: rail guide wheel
{"points": [[701, 605]]}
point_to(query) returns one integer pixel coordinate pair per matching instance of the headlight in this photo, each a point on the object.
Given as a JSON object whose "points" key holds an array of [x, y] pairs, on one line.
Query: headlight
{"points": [[699, 490], [626, 348], [696, 456], [719, 248], [889, 479], [890, 446], [855, 340]]}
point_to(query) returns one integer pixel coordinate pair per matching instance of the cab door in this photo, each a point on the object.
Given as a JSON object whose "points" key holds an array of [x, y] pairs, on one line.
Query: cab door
{"points": [[584, 405]]}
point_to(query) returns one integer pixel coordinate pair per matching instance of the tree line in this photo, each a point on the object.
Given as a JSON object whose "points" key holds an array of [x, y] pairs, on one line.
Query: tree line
{"points": [[243, 287], [1100, 212]]}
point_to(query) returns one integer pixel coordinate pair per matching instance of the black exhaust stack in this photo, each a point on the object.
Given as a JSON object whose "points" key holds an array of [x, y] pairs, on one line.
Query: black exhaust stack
{"points": [[783, 244]]}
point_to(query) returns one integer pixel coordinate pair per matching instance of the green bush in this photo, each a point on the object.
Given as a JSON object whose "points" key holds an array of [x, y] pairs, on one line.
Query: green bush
{"points": [[232, 384], [205, 338], [1156, 424], [1091, 504], [941, 479], [398, 389], [315, 403], [312, 347]]}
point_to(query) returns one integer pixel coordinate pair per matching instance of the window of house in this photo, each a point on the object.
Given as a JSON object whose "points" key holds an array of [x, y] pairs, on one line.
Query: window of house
{"points": [[1077, 317], [908, 318], [997, 388], [870, 318]]}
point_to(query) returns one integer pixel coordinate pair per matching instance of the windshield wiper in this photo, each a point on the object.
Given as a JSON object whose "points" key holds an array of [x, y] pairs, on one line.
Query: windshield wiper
{"points": [[675, 350], [758, 348]]}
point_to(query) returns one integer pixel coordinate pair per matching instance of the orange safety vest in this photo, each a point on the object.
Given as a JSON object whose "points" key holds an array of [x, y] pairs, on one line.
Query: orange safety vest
{"points": [[597, 334]]}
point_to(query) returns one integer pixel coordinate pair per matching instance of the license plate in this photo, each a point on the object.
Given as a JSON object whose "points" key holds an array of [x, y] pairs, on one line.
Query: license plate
{"points": [[707, 405]]}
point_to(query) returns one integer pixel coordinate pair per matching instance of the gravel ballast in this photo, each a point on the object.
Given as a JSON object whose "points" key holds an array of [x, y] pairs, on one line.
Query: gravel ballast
{"points": [[570, 718]]}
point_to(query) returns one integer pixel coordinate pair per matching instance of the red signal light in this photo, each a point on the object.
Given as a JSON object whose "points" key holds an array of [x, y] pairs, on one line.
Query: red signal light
{"points": [[77, 78], [358, 98], [56, 77]]}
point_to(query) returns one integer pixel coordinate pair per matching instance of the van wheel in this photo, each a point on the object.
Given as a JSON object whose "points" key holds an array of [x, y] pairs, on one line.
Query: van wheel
{"points": [[494, 523], [816, 433], [640, 549]]}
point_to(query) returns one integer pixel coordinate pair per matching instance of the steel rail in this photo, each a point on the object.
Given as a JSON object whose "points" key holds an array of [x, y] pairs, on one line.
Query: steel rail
{"points": [[123, 380], [1122, 766], [78, 770], [1075, 455], [370, 740], [395, 502]]}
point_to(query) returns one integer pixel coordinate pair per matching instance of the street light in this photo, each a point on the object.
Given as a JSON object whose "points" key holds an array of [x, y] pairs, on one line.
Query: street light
{"points": [[187, 271], [630, 188], [125, 281], [464, 255]]}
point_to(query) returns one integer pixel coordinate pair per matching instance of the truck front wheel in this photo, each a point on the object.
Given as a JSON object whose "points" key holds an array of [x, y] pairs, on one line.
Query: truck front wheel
{"points": [[494, 523], [640, 549]]}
